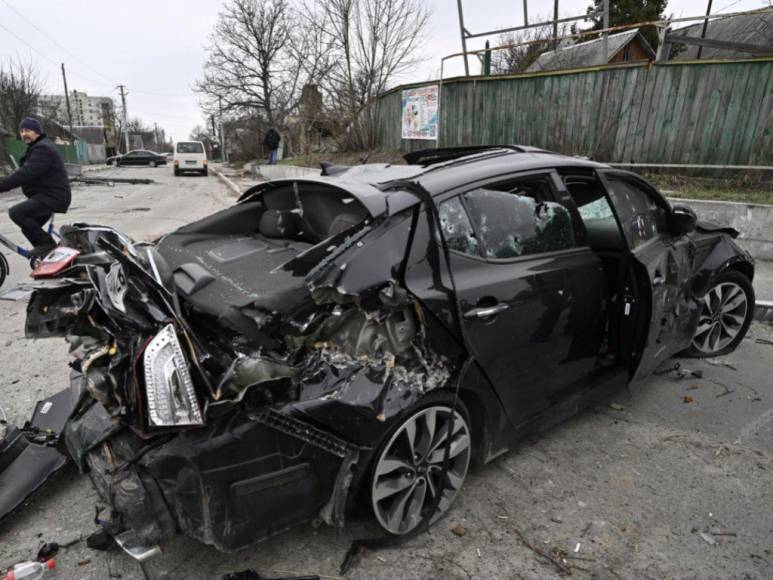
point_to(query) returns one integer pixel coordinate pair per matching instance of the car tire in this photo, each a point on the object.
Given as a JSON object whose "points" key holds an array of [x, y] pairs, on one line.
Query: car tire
{"points": [[4, 269], [726, 313], [152, 163], [404, 473]]}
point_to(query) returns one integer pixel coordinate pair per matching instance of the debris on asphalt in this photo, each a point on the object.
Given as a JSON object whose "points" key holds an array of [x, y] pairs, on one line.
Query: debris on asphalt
{"points": [[47, 551], [84, 562], [577, 548], [556, 519], [708, 538], [720, 363], [616, 407], [687, 399], [763, 341], [109, 181], [100, 540], [458, 530], [251, 574], [478, 550], [680, 372], [540, 552]]}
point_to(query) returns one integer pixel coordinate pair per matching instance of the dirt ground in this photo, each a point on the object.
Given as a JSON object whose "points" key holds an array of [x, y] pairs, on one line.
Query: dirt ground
{"points": [[671, 479]]}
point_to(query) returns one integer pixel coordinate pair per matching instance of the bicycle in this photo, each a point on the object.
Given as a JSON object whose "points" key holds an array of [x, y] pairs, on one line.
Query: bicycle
{"points": [[5, 269]]}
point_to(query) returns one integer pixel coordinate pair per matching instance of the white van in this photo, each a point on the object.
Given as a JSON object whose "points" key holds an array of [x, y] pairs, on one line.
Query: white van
{"points": [[190, 156]]}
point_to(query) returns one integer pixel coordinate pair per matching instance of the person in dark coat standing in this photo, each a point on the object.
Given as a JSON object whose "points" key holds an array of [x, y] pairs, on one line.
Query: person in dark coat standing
{"points": [[271, 141], [43, 179]]}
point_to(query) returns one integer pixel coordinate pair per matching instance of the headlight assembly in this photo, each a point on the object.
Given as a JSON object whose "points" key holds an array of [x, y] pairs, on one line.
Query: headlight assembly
{"points": [[171, 398]]}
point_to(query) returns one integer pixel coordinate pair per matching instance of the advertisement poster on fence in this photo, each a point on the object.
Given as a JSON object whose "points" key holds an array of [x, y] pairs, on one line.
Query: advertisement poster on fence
{"points": [[420, 113]]}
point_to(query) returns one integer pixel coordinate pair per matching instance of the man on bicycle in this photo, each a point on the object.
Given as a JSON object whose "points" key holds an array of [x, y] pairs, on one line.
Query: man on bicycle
{"points": [[43, 179]]}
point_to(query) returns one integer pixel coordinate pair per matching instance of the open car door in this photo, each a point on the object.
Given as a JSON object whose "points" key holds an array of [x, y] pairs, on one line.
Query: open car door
{"points": [[657, 304]]}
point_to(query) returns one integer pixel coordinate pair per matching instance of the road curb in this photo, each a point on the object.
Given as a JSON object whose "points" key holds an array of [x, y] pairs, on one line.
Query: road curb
{"points": [[763, 311], [231, 185]]}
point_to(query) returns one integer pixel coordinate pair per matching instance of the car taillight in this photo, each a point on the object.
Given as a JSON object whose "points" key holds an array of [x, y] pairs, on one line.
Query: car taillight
{"points": [[56, 261]]}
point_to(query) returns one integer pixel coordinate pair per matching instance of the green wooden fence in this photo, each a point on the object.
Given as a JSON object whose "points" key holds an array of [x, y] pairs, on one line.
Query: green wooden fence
{"points": [[17, 148], [702, 112]]}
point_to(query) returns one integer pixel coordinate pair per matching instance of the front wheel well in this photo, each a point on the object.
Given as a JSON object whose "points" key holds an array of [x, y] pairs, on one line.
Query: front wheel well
{"points": [[744, 268]]}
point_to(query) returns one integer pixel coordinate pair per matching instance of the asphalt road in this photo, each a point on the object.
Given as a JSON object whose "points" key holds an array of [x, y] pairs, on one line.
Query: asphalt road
{"points": [[624, 489]]}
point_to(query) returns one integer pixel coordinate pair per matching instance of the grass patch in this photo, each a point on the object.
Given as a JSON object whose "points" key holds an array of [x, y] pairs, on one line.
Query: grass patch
{"points": [[742, 190]]}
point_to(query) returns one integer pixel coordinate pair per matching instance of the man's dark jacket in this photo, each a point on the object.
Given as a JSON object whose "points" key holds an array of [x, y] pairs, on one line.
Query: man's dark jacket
{"points": [[42, 176], [272, 139]]}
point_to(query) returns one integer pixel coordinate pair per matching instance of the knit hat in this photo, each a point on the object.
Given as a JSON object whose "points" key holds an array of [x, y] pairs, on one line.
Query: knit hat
{"points": [[32, 125]]}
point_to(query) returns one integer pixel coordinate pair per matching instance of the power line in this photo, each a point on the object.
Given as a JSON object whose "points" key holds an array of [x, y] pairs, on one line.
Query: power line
{"points": [[28, 21], [74, 56]]}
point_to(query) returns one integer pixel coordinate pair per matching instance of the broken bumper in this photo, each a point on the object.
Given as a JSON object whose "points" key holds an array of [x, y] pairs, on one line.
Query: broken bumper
{"points": [[28, 456], [242, 478]]}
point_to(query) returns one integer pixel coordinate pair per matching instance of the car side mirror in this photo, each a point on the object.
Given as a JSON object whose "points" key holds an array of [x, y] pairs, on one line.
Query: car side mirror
{"points": [[683, 219]]}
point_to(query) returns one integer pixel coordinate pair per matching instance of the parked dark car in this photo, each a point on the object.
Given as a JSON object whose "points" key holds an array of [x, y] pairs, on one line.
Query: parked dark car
{"points": [[369, 332], [138, 157]]}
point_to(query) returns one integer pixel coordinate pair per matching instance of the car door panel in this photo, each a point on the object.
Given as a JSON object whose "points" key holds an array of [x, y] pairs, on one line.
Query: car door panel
{"points": [[548, 331], [666, 264]]}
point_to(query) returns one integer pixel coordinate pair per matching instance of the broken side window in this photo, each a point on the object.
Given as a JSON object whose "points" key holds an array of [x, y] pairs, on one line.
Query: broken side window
{"points": [[640, 216], [457, 228], [511, 224]]}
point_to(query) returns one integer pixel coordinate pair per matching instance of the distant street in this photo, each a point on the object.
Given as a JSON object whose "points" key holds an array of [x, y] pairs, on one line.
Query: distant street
{"points": [[639, 487]]}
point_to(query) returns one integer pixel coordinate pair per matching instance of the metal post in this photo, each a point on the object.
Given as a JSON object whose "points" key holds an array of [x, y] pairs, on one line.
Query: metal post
{"points": [[606, 34], [526, 12], [555, 23], [703, 31], [122, 88], [155, 134], [67, 98], [464, 40]]}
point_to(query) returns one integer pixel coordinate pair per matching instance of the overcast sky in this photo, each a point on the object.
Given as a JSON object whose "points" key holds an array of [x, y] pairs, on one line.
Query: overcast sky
{"points": [[156, 48]]}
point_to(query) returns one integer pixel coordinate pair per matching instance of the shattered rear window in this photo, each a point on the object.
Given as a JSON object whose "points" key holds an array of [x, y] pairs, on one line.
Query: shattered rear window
{"points": [[457, 228], [511, 225]]}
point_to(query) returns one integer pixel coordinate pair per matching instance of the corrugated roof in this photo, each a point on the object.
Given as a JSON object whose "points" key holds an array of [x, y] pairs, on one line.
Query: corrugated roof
{"points": [[746, 28], [589, 53]]}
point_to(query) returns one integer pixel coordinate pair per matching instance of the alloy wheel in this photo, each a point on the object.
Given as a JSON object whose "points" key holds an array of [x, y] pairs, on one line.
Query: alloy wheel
{"points": [[409, 473], [723, 313]]}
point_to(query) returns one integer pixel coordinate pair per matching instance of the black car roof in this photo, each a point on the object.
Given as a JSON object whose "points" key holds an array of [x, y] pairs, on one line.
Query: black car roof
{"points": [[370, 183]]}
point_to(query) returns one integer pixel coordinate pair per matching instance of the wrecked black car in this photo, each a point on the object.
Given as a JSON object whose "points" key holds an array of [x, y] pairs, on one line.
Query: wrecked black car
{"points": [[367, 333]]}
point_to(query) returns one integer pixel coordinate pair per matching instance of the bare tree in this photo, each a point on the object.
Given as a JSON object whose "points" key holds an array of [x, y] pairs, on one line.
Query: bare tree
{"points": [[19, 93], [515, 59], [259, 59], [370, 42]]}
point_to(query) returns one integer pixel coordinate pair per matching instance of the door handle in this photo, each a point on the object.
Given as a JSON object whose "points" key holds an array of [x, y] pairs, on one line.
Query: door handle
{"points": [[486, 312]]}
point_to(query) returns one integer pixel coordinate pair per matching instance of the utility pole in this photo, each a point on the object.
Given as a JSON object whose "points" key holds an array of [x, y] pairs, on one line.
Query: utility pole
{"points": [[122, 88], [67, 98], [464, 38], [155, 133], [555, 23], [212, 121], [606, 34], [703, 31]]}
